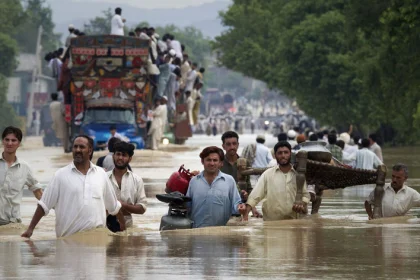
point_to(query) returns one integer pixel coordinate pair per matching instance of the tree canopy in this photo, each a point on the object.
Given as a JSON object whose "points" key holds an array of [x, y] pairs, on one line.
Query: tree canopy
{"points": [[345, 62]]}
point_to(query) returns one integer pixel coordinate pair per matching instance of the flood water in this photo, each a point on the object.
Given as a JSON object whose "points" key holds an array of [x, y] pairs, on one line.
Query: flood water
{"points": [[338, 243]]}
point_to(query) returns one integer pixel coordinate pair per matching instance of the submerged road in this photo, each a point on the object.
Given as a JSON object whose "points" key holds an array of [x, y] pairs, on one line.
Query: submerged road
{"points": [[338, 243]]}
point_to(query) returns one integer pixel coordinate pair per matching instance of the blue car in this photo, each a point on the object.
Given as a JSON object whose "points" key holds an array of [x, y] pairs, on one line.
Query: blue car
{"points": [[97, 122]]}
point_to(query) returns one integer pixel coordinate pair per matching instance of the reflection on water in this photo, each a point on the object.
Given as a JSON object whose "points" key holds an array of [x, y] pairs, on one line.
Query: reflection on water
{"points": [[340, 243], [319, 248]]}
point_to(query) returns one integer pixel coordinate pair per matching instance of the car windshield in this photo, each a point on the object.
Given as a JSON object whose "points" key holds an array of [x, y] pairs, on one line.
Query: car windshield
{"points": [[108, 115]]}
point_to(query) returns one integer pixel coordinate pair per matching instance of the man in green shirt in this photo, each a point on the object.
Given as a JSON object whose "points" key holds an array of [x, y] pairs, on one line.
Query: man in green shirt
{"points": [[230, 143]]}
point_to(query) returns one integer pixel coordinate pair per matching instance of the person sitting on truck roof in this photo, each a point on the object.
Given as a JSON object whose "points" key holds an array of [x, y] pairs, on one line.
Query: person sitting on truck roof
{"points": [[117, 23]]}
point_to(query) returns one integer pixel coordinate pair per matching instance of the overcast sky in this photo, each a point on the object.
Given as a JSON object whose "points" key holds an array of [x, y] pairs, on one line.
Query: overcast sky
{"points": [[152, 4]]}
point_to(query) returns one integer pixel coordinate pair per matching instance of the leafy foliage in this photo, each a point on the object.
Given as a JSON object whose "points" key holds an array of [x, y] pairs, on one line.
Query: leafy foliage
{"points": [[345, 62]]}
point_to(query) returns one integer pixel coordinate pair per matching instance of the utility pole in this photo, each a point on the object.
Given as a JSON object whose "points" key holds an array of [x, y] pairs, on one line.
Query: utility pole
{"points": [[35, 77]]}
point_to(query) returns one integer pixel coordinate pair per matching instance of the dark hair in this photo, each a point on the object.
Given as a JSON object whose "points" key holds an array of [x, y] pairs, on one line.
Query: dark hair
{"points": [[171, 37], [76, 32], [131, 34], [365, 143], [340, 143], [177, 72], [281, 145], [202, 70], [118, 11], [399, 167], [176, 61], [182, 47], [138, 29], [188, 92], [229, 134], [282, 137], [113, 127], [124, 147], [332, 138], [326, 131], [54, 96], [320, 134], [260, 140], [373, 136], [195, 64], [12, 130], [313, 137], [356, 140], [112, 142], [212, 150]]}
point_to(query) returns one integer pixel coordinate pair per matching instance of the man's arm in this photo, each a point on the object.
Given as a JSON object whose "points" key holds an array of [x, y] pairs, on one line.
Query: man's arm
{"points": [[39, 213], [368, 209], [257, 194], [38, 193], [33, 185], [112, 205], [120, 22]]}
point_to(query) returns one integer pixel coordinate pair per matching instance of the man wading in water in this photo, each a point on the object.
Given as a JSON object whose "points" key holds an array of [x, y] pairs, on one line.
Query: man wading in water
{"points": [[278, 186], [15, 174], [79, 193], [128, 186]]}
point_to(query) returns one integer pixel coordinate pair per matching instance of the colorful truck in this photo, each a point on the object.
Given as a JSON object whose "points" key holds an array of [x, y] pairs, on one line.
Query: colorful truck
{"points": [[109, 86]]}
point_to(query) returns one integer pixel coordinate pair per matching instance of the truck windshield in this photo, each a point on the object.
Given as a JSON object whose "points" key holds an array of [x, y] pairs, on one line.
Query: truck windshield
{"points": [[108, 115]]}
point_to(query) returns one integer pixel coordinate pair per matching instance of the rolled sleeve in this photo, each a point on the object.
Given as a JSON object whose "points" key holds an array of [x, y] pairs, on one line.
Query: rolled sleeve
{"points": [[49, 198], [141, 195], [258, 193], [31, 183], [110, 199], [306, 195]]}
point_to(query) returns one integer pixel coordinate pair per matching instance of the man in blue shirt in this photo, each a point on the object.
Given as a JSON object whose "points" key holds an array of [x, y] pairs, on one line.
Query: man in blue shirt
{"points": [[214, 194]]}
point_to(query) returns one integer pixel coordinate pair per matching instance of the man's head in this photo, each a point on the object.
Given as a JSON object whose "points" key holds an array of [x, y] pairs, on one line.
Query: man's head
{"points": [[187, 93], [11, 138], [177, 73], [300, 138], [313, 137], [340, 143], [260, 139], [282, 137], [123, 154], [202, 70], [118, 11], [194, 65], [373, 138], [332, 139], [113, 130], [176, 61], [283, 152], [399, 175], [212, 159], [71, 28], [164, 100], [230, 142], [54, 96], [365, 143], [291, 134], [82, 149], [112, 142]]}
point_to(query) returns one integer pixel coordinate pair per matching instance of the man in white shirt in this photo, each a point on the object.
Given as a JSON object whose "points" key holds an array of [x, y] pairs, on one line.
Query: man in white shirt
{"points": [[15, 174], [71, 35], [191, 77], [117, 23], [398, 198], [374, 147], [175, 45], [128, 186], [262, 154], [155, 131], [366, 159], [79, 193]]}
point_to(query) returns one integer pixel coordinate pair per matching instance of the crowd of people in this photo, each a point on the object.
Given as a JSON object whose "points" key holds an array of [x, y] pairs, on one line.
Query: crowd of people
{"points": [[86, 196]]}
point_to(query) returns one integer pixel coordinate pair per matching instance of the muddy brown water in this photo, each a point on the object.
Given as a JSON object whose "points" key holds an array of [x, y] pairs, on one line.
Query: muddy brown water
{"points": [[338, 243]]}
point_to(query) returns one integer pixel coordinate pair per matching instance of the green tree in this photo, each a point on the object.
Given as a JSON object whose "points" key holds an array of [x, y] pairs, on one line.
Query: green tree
{"points": [[343, 61], [99, 25], [36, 14]]}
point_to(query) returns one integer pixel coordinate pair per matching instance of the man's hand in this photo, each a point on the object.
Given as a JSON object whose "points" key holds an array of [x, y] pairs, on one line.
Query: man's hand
{"points": [[301, 208], [121, 220], [247, 210], [195, 172], [27, 233], [242, 209], [244, 195], [123, 20], [255, 213]]}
